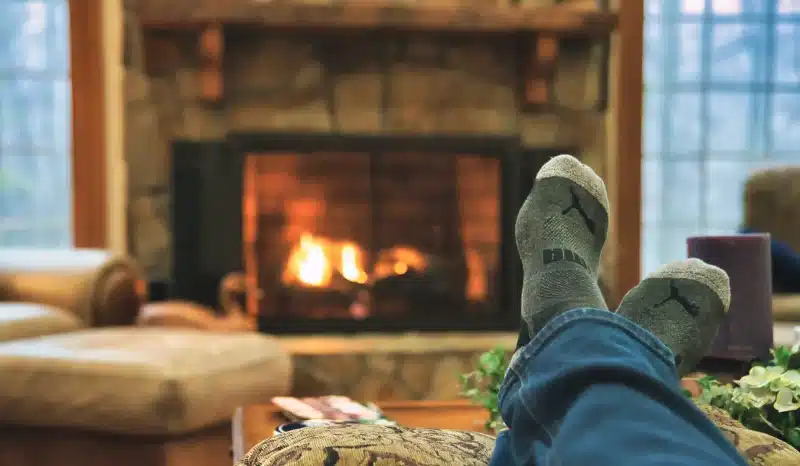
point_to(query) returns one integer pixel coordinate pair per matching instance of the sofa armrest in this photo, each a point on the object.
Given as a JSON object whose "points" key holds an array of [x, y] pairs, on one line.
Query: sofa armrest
{"points": [[786, 308], [97, 286], [26, 320]]}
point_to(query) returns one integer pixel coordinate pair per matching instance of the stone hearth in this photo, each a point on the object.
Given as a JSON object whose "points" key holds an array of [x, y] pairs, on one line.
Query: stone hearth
{"points": [[385, 367], [404, 367]]}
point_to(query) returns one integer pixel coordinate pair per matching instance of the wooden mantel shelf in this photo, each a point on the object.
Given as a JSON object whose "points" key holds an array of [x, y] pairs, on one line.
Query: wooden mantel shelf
{"points": [[561, 19]]}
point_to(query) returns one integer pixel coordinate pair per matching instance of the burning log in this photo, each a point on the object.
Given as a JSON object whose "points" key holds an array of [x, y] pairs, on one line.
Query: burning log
{"points": [[316, 303], [327, 279], [418, 289]]}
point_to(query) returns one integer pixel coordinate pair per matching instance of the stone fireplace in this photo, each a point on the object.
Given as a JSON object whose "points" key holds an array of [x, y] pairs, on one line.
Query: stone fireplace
{"points": [[365, 179]]}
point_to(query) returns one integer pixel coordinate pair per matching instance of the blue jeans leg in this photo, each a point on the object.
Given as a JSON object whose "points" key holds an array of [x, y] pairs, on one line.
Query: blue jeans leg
{"points": [[593, 388]]}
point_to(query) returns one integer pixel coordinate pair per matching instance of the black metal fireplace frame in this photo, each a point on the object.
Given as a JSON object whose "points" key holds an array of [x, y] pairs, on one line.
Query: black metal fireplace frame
{"points": [[200, 246]]}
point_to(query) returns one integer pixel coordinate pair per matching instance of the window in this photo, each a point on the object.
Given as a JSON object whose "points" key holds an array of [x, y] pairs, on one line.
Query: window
{"points": [[35, 124], [722, 97]]}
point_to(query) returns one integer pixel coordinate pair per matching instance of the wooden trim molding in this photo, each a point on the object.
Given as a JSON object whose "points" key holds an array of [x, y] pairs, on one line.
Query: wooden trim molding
{"points": [[88, 123], [626, 187]]}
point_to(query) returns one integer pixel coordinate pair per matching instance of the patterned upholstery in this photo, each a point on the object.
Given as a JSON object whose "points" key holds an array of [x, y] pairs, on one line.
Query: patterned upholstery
{"points": [[759, 449], [357, 444], [360, 444]]}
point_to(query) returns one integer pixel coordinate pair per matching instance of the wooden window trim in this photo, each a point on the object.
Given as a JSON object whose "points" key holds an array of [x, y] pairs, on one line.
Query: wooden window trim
{"points": [[626, 163], [89, 196]]}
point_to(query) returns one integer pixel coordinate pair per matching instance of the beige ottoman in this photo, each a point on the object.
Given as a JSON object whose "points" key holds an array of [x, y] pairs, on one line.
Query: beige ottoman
{"points": [[119, 396]]}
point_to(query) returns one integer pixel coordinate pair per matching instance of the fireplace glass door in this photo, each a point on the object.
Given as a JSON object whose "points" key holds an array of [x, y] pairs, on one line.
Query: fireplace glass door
{"points": [[330, 233], [393, 236]]}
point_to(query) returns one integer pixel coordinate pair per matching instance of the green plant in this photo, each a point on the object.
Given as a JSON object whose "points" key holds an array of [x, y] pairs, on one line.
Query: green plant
{"points": [[767, 399], [482, 385]]}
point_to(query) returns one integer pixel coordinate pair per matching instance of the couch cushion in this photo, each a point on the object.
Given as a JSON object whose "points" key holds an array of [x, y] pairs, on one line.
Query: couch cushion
{"points": [[138, 381], [350, 444], [356, 444], [24, 320]]}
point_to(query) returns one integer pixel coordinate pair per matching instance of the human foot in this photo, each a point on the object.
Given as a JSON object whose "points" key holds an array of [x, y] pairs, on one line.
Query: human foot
{"points": [[682, 304], [560, 231]]}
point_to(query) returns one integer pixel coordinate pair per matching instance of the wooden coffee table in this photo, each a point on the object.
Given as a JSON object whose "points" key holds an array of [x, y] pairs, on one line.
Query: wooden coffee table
{"points": [[252, 424]]}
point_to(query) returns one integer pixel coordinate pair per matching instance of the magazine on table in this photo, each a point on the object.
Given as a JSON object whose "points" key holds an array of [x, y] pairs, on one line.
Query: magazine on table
{"points": [[326, 410]]}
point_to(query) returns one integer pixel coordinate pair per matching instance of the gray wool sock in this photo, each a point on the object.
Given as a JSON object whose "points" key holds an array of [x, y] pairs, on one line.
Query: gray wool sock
{"points": [[560, 231], [682, 304]]}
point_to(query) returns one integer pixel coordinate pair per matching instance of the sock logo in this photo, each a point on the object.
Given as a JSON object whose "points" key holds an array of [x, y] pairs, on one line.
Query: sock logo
{"points": [[576, 205], [558, 255], [692, 308]]}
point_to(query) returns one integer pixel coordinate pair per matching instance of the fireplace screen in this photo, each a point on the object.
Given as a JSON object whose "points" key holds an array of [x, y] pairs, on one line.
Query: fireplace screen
{"points": [[371, 235], [349, 232]]}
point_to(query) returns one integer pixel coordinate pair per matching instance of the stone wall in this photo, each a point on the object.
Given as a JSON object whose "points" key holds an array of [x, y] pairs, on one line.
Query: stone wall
{"points": [[276, 81]]}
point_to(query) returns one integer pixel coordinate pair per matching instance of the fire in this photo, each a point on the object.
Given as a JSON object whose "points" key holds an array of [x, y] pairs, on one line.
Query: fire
{"points": [[313, 267], [351, 264], [319, 262], [313, 261], [398, 261]]}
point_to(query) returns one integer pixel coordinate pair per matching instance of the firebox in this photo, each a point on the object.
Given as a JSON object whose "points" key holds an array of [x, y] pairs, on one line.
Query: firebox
{"points": [[347, 232]]}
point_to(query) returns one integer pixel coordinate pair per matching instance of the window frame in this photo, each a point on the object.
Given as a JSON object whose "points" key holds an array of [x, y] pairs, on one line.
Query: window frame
{"points": [[87, 78], [624, 160]]}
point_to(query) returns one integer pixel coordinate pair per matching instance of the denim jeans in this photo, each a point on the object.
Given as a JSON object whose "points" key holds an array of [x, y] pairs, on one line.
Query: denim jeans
{"points": [[593, 388]]}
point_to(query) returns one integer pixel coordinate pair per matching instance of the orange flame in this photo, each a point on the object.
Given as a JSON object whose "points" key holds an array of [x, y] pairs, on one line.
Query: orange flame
{"points": [[312, 262], [350, 264], [315, 261]]}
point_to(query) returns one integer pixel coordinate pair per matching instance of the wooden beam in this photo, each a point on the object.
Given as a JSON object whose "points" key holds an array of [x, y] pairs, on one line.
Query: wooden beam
{"points": [[626, 169], [88, 123], [560, 19]]}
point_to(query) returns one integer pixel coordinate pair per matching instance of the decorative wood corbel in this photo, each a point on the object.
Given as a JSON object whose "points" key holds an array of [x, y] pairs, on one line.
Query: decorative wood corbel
{"points": [[541, 71], [211, 46]]}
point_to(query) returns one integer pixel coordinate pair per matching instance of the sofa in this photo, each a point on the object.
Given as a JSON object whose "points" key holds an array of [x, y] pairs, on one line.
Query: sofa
{"points": [[772, 205], [358, 444], [81, 385]]}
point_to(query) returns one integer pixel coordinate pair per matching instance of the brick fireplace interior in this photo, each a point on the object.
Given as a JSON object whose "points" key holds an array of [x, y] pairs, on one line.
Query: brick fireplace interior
{"points": [[354, 232]]}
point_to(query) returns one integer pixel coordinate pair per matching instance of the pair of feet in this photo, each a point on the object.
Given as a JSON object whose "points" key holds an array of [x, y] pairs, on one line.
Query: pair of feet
{"points": [[561, 230]]}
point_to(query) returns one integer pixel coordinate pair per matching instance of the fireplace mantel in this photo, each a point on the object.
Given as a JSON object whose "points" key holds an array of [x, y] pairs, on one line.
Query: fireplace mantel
{"points": [[541, 29], [562, 19]]}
